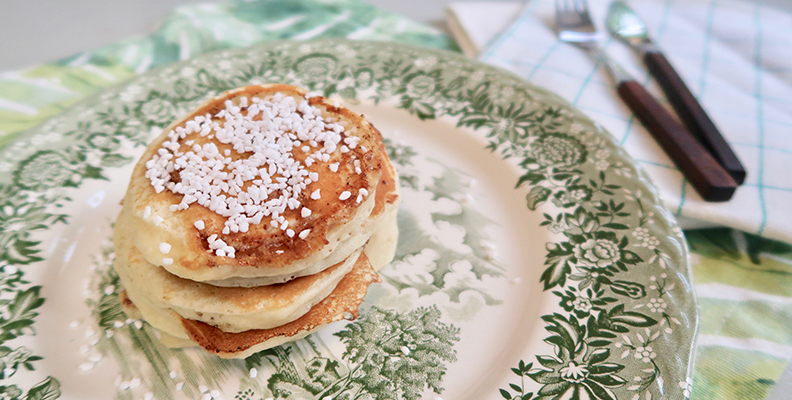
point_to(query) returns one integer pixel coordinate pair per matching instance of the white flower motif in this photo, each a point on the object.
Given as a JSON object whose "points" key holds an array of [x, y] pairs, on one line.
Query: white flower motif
{"points": [[574, 373], [657, 305], [602, 165], [425, 62], [224, 65], [187, 72], [582, 304], [645, 354], [575, 128], [507, 92], [345, 50], [477, 76], [602, 154], [687, 387], [647, 240], [130, 93], [640, 233]]}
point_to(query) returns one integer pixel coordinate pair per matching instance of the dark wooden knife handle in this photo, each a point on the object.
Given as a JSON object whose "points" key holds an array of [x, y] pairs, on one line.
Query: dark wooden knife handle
{"points": [[711, 181], [693, 115]]}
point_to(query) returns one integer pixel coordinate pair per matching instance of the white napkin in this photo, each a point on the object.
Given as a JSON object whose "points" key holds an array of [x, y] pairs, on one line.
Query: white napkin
{"points": [[735, 56], [475, 25]]}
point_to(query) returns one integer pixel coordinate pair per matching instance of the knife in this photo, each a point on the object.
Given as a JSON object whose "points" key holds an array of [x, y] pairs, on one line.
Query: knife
{"points": [[625, 24]]}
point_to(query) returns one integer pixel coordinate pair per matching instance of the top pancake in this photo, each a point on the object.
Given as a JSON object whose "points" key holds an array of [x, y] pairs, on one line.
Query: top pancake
{"points": [[263, 249]]}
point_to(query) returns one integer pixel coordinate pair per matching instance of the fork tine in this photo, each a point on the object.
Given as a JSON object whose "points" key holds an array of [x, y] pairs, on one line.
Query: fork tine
{"points": [[564, 6], [585, 11], [581, 6]]}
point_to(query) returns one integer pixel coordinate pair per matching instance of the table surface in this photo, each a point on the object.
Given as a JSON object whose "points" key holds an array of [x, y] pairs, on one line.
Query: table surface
{"points": [[28, 28]]}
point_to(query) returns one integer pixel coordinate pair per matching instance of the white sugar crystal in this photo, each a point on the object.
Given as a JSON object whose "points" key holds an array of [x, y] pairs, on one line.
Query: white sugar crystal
{"points": [[86, 366], [215, 393], [96, 357], [344, 195], [158, 220], [203, 388], [148, 396], [164, 248], [74, 324], [289, 233], [253, 373], [305, 212], [304, 233], [167, 261], [146, 212], [109, 290], [265, 178], [135, 382], [138, 324]]}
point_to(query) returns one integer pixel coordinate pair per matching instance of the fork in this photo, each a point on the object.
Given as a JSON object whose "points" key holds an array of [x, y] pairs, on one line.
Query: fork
{"points": [[711, 181]]}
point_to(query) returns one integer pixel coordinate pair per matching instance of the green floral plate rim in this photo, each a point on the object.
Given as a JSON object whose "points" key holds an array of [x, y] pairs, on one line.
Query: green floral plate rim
{"points": [[617, 265]]}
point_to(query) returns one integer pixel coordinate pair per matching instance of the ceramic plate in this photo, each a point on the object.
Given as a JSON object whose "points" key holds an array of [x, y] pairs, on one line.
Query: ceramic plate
{"points": [[535, 259]]}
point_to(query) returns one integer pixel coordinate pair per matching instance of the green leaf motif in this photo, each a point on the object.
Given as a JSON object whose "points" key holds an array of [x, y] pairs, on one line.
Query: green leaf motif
{"points": [[556, 272], [537, 196], [48, 389]]}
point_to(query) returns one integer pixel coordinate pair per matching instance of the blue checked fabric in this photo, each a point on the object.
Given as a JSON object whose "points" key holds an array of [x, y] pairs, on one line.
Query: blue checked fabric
{"points": [[735, 56]]}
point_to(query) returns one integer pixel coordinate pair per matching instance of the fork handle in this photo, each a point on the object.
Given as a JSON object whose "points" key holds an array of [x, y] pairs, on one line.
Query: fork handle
{"points": [[706, 175], [692, 114]]}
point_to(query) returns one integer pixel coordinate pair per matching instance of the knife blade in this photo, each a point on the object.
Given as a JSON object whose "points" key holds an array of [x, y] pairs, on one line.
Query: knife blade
{"points": [[623, 23]]}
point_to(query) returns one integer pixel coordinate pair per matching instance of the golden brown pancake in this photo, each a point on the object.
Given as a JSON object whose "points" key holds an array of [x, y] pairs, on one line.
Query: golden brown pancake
{"points": [[263, 250], [342, 303], [233, 309]]}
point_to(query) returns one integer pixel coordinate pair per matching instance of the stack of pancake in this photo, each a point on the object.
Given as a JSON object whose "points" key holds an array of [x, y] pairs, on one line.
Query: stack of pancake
{"points": [[256, 219]]}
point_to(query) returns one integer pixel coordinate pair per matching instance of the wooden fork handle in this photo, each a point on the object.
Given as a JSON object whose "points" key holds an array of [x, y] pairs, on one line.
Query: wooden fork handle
{"points": [[693, 115], [706, 175]]}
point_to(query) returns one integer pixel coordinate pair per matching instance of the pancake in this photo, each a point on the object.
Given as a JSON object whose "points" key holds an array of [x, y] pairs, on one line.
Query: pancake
{"points": [[235, 309], [232, 309], [342, 303], [387, 199], [158, 200]]}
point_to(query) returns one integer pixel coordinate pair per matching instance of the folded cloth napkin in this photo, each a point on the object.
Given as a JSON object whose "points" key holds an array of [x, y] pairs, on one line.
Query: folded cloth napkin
{"points": [[734, 55]]}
